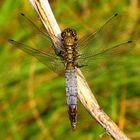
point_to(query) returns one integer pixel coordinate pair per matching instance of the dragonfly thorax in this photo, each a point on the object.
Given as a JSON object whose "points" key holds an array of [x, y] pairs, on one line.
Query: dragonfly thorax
{"points": [[69, 37], [69, 41]]}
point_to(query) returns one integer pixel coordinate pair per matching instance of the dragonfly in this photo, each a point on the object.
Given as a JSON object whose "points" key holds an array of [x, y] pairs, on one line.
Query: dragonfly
{"points": [[69, 58]]}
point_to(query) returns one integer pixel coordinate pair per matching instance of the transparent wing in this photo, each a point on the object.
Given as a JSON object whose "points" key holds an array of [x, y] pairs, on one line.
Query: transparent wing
{"points": [[102, 34], [52, 61], [105, 43], [102, 60], [114, 51], [108, 35], [38, 31]]}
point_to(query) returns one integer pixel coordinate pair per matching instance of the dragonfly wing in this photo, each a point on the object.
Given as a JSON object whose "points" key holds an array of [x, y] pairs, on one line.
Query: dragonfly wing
{"points": [[49, 59], [114, 51], [38, 31], [102, 34], [104, 38], [102, 43], [101, 59]]}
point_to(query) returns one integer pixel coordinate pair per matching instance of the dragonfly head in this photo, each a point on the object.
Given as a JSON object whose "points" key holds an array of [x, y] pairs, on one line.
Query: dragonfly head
{"points": [[69, 36]]}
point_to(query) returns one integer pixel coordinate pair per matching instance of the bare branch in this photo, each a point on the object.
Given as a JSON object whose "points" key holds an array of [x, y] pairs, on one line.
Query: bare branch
{"points": [[85, 95]]}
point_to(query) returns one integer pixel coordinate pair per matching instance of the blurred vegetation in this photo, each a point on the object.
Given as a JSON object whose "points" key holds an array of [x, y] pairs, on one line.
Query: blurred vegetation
{"points": [[32, 99]]}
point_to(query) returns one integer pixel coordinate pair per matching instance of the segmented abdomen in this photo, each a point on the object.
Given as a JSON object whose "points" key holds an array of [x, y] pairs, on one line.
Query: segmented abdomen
{"points": [[71, 96]]}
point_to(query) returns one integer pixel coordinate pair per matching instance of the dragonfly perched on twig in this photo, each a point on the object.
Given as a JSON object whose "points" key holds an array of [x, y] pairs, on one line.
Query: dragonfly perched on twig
{"points": [[68, 57]]}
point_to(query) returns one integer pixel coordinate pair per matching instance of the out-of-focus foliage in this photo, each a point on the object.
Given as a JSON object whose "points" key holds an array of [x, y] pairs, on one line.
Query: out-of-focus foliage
{"points": [[32, 99]]}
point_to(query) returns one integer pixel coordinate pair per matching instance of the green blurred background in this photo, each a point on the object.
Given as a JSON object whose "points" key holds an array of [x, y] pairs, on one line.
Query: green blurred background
{"points": [[32, 99]]}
